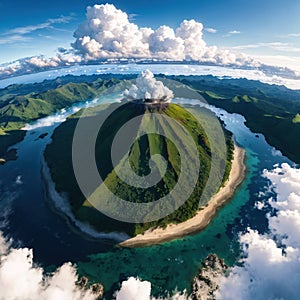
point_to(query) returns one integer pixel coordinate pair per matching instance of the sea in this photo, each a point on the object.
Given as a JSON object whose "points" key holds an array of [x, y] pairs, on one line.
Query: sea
{"points": [[30, 220]]}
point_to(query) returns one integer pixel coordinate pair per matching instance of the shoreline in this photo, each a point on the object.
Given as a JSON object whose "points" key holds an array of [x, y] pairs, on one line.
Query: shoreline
{"points": [[59, 204], [202, 219]]}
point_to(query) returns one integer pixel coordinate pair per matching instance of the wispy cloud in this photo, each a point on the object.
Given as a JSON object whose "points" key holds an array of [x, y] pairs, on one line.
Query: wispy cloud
{"points": [[132, 17], [294, 35], [259, 45], [62, 30], [234, 32], [210, 30], [278, 46], [231, 33], [30, 28], [16, 38], [49, 37]]}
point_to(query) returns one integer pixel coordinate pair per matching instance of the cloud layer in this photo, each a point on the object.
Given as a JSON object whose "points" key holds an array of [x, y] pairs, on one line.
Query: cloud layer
{"points": [[37, 64], [272, 264], [108, 34], [147, 87]]}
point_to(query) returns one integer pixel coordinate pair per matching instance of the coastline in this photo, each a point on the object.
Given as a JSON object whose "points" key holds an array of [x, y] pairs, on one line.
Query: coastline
{"points": [[203, 217], [59, 203]]}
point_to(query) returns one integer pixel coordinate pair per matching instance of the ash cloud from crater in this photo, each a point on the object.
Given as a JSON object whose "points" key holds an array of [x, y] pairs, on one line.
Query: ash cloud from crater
{"points": [[147, 87]]}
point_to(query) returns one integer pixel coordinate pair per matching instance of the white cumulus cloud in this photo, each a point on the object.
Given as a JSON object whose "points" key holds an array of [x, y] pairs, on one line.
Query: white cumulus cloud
{"points": [[272, 265], [134, 289], [108, 32], [21, 279], [147, 87]]}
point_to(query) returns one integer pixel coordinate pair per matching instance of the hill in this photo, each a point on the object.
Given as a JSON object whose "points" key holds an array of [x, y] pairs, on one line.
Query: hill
{"points": [[268, 109], [22, 104]]}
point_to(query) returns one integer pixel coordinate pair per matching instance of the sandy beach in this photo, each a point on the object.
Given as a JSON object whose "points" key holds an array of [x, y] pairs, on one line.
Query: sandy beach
{"points": [[203, 217]]}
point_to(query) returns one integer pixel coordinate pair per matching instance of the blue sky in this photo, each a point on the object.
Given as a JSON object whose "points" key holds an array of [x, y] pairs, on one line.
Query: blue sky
{"points": [[260, 28]]}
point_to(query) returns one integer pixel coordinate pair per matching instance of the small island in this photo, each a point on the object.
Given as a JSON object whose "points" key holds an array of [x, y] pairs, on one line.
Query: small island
{"points": [[147, 96]]}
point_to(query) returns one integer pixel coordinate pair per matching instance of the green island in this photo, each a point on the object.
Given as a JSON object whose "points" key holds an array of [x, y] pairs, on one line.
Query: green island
{"points": [[58, 156]]}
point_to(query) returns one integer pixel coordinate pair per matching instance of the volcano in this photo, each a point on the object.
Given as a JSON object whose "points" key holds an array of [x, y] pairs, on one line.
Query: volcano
{"points": [[142, 149], [153, 149]]}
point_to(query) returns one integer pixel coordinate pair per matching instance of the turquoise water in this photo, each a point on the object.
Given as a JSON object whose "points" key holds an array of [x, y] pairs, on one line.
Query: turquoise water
{"points": [[173, 265], [29, 220]]}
